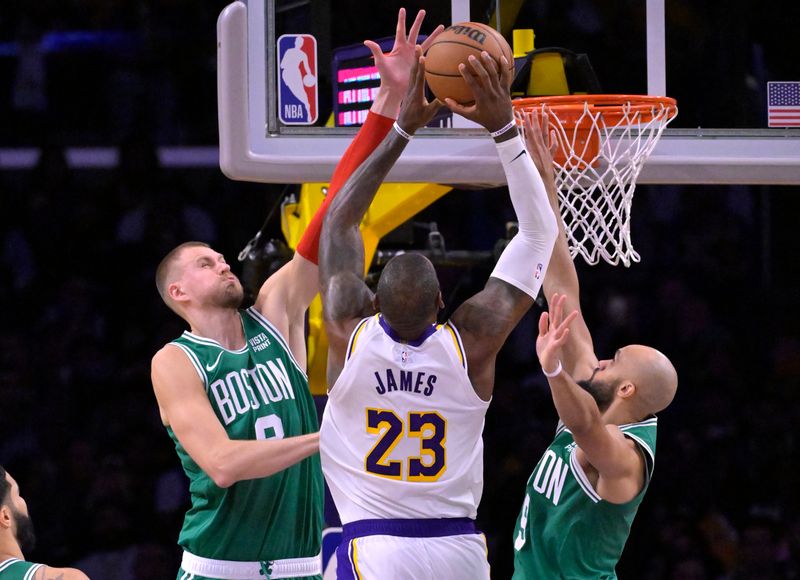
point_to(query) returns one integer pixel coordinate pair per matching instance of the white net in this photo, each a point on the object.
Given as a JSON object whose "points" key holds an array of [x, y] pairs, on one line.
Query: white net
{"points": [[601, 150]]}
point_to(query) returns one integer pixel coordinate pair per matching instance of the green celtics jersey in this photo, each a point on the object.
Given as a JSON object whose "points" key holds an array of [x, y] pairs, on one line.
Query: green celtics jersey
{"points": [[565, 529], [15, 569], [257, 392]]}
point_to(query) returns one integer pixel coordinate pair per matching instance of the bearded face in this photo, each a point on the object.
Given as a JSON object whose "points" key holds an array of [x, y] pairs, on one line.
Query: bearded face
{"points": [[231, 296], [601, 391], [24, 533], [206, 278]]}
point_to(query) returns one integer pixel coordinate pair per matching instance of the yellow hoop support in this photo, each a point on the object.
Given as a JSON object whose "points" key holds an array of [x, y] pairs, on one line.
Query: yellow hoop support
{"points": [[394, 204]]}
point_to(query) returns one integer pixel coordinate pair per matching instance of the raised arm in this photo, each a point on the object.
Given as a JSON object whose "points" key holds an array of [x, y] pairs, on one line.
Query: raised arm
{"points": [[345, 297], [561, 278], [185, 408], [393, 68], [620, 465], [286, 295], [486, 319]]}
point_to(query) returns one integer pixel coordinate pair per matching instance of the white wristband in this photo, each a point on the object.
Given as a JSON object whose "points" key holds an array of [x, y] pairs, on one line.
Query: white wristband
{"points": [[501, 130], [555, 373], [401, 132]]}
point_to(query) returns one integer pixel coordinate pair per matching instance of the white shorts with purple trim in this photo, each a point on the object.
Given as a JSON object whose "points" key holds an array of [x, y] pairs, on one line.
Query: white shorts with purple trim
{"points": [[430, 549]]}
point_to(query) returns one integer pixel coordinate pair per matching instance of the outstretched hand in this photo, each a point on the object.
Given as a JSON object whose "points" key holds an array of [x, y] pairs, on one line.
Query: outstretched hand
{"points": [[553, 333], [394, 66], [541, 143], [489, 84], [416, 111]]}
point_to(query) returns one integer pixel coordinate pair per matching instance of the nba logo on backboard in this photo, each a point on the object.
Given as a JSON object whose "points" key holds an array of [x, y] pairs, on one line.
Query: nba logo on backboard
{"points": [[297, 79]]}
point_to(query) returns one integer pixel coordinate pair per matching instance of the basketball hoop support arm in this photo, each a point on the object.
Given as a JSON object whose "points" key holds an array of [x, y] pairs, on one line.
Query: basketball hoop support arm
{"points": [[656, 49]]}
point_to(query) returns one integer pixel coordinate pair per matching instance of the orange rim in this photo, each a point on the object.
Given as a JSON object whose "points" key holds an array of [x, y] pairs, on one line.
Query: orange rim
{"points": [[570, 108]]}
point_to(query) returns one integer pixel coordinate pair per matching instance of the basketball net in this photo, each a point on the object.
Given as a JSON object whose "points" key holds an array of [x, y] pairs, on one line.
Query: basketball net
{"points": [[602, 144]]}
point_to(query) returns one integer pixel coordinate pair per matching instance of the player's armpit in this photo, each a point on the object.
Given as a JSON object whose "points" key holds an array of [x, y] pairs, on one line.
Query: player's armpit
{"points": [[490, 314], [484, 322], [346, 300], [619, 463]]}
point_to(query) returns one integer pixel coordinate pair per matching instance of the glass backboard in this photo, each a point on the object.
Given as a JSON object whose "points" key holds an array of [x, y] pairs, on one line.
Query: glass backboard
{"points": [[717, 60]]}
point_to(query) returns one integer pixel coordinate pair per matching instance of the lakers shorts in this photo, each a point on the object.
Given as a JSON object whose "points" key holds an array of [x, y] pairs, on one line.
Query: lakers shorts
{"points": [[419, 549]]}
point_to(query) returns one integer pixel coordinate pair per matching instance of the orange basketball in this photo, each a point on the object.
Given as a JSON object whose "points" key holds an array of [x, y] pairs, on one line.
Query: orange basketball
{"points": [[454, 46]]}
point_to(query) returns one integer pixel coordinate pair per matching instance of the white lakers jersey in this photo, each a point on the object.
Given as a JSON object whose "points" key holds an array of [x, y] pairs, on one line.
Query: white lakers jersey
{"points": [[401, 435]]}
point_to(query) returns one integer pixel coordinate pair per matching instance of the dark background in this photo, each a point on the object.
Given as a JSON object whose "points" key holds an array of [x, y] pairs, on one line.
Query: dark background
{"points": [[715, 290]]}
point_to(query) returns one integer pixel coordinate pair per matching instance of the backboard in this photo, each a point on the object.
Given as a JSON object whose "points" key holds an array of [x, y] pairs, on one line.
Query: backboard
{"points": [[716, 61]]}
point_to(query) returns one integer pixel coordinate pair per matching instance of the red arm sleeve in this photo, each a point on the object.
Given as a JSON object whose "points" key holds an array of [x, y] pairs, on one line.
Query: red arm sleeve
{"points": [[367, 140]]}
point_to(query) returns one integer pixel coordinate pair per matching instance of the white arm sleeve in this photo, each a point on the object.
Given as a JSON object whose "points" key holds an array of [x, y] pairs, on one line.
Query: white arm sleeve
{"points": [[524, 261]]}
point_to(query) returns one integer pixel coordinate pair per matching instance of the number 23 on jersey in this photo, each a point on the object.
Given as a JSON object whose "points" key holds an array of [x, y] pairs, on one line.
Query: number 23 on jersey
{"points": [[428, 426]]}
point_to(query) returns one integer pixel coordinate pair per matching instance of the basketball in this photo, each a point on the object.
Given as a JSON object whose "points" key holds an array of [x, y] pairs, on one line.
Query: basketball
{"points": [[453, 47]]}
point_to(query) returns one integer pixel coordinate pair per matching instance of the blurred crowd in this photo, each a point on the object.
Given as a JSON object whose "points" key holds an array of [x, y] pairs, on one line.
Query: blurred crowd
{"points": [[89, 72], [79, 427]]}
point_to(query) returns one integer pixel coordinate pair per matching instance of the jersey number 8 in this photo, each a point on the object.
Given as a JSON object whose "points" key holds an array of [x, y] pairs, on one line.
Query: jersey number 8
{"points": [[269, 427]]}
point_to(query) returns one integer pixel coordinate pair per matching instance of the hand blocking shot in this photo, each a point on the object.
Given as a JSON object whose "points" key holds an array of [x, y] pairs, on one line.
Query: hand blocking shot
{"points": [[401, 437], [584, 493], [233, 393]]}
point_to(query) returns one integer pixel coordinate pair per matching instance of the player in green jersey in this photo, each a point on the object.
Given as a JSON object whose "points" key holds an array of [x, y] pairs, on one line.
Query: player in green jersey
{"points": [[583, 494], [234, 397], [16, 538]]}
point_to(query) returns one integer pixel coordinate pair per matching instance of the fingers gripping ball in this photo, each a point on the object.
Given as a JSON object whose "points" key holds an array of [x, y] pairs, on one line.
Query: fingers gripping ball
{"points": [[453, 47]]}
